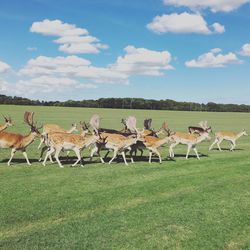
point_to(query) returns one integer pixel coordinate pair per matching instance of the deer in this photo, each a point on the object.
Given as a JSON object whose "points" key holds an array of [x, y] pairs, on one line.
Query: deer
{"points": [[146, 132], [191, 140], [18, 142], [116, 142], [152, 143], [8, 123], [230, 136], [198, 130], [50, 128], [59, 141]]}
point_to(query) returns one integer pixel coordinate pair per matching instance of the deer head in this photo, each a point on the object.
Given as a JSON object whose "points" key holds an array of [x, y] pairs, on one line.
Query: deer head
{"points": [[8, 121]]}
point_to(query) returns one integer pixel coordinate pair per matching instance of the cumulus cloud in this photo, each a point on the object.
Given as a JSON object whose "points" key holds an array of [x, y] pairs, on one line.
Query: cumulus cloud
{"points": [[4, 67], [213, 59], [73, 40], [245, 50], [141, 61], [213, 5], [183, 23]]}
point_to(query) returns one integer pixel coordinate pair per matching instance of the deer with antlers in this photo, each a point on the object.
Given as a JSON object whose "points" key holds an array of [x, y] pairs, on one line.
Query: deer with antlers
{"points": [[58, 141], [230, 136], [191, 140], [19, 142], [198, 130], [8, 123], [116, 142]]}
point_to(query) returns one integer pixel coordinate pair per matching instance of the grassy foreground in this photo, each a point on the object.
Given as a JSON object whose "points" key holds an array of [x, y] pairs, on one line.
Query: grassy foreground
{"points": [[182, 204]]}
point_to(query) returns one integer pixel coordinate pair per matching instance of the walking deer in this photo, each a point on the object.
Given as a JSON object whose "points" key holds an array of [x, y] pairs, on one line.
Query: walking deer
{"points": [[230, 136], [18, 142]]}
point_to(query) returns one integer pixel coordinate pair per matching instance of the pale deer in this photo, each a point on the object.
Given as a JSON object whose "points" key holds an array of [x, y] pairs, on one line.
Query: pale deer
{"points": [[8, 123], [201, 129], [152, 143], [191, 140], [64, 141], [232, 137], [49, 128], [17, 142], [116, 143]]}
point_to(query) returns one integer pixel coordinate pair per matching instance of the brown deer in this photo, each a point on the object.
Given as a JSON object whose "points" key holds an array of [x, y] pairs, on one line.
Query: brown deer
{"points": [[199, 130], [18, 142]]}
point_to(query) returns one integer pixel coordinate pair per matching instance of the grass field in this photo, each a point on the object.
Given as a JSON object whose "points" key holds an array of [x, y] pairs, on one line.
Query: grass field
{"points": [[182, 204]]}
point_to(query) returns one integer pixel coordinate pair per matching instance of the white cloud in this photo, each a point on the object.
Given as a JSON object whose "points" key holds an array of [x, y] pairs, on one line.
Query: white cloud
{"points": [[213, 5], [73, 40], [141, 61], [4, 67], [183, 23], [245, 50], [45, 84], [218, 28], [213, 59], [71, 66]]}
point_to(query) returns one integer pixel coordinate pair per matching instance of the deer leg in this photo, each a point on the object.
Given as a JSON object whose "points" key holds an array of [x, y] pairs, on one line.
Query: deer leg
{"points": [[218, 144], [141, 150], [42, 152], [124, 158], [13, 151], [26, 157], [171, 150], [41, 142], [79, 158], [150, 156], [106, 155], [233, 145], [157, 153], [58, 150], [114, 156], [195, 150], [48, 154], [188, 150], [215, 141]]}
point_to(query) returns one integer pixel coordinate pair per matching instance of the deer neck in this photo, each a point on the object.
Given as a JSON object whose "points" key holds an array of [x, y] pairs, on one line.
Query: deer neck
{"points": [[162, 141], [28, 139], [70, 130], [3, 127], [200, 139], [239, 134]]}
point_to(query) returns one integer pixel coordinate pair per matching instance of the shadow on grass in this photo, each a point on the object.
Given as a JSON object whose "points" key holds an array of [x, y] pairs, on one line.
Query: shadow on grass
{"points": [[227, 149]]}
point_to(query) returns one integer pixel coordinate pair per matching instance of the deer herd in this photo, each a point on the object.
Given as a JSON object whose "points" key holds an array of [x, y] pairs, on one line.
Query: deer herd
{"points": [[128, 140]]}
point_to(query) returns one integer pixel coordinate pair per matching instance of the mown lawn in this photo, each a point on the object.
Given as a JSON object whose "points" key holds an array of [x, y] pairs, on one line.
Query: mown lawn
{"points": [[182, 204]]}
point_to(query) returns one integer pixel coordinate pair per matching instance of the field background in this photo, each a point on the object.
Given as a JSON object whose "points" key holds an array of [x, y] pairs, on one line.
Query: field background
{"points": [[182, 204]]}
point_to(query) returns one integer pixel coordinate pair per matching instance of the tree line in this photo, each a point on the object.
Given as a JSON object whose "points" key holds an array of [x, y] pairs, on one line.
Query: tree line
{"points": [[131, 103]]}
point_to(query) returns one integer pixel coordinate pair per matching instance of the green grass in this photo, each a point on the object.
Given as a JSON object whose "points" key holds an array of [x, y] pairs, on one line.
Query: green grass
{"points": [[186, 204]]}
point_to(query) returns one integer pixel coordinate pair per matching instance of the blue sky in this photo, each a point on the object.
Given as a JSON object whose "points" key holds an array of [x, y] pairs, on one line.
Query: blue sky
{"points": [[81, 49]]}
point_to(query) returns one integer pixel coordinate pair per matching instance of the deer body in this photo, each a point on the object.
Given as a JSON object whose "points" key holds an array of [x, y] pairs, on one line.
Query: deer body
{"points": [[152, 144], [230, 136], [191, 140], [65, 141], [19, 142], [116, 143]]}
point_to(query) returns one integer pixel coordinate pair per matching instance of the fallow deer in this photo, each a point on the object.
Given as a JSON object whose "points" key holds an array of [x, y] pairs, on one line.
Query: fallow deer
{"points": [[17, 142], [201, 129], [232, 137], [191, 140], [8, 123], [58, 141]]}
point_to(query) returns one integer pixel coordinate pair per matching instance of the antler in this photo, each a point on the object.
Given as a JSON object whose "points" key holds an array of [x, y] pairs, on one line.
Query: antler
{"points": [[203, 124], [28, 118], [147, 123], [131, 124], [95, 122]]}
